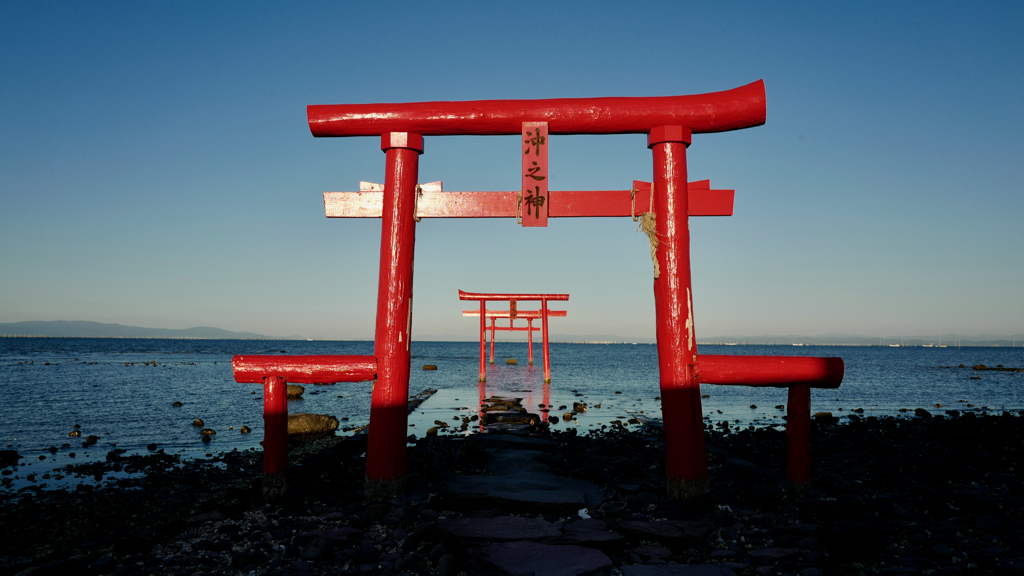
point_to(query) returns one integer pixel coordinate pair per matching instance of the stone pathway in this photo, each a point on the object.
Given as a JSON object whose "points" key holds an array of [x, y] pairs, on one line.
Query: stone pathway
{"points": [[515, 482]]}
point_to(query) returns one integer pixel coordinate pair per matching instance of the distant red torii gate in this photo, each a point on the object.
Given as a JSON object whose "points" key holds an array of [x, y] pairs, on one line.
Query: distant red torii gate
{"points": [[669, 123], [512, 314]]}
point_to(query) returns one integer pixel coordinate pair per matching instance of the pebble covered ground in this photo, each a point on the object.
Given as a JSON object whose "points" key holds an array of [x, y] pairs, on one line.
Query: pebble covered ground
{"points": [[919, 495]]}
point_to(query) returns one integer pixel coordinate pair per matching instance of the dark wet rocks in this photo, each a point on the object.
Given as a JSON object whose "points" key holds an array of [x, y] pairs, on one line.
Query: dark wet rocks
{"points": [[9, 458], [911, 496], [999, 368]]}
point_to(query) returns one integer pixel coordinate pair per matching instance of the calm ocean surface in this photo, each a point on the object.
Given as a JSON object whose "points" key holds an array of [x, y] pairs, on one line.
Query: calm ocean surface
{"points": [[123, 390]]}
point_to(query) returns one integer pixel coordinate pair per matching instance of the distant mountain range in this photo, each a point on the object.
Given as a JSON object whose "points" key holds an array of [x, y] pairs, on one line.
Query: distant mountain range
{"points": [[82, 329]]}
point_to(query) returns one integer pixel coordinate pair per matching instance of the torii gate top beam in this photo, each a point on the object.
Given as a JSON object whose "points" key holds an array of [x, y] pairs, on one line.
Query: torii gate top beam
{"points": [[742, 107], [518, 297]]}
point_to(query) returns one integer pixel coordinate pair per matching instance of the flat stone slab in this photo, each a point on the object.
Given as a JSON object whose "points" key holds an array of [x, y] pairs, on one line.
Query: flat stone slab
{"points": [[522, 558], [668, 530], [499, 529], [773, 553], [653, 551], [588, 532], [510, 441], [677, 570], [531, 490], [514, 460]]}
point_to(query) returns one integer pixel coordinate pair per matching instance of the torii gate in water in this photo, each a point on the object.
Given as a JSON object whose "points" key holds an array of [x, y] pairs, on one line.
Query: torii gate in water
{"points": [[666, 204]]}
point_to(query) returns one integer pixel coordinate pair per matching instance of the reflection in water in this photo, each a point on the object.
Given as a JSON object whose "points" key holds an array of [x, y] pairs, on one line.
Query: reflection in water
{"points": [[527, 400]]}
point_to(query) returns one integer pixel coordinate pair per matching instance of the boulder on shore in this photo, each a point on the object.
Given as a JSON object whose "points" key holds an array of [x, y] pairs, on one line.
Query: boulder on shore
{"points": [[9, 458], [295, 391], [303, 424]]}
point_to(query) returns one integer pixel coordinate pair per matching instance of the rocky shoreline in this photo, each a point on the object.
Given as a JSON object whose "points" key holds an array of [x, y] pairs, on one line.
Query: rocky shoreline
{"points": [[922, 495]]}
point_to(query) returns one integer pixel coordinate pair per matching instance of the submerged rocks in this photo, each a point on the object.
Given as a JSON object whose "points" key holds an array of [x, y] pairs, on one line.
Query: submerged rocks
{"points": [[198, 423], [999, 368], [295, 391], [245, 429]]}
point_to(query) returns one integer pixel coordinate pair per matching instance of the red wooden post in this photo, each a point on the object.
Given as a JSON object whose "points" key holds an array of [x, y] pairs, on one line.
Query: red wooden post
{"points": [[482, 386], [547, 400], [529, 338], [544, 336], [686, 459], [275, 436], [798, 434], [493, 320], [385, 452], [483, 332]]}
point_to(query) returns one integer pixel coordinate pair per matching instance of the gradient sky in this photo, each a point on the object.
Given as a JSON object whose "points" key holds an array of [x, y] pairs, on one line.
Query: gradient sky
{"points": [[156, 168]]}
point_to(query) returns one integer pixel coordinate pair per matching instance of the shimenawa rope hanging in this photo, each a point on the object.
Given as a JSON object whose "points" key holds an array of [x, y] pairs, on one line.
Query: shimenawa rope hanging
{"points": [[647, 224]]}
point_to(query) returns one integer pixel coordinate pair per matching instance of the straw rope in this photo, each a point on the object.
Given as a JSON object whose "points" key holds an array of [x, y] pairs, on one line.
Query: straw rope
{"points": [[519, 208], [647, 224]]}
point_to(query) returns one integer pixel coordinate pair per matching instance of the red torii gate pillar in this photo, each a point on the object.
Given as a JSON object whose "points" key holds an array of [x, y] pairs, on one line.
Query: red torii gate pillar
{"points": [[673, 305], [389, 404]]}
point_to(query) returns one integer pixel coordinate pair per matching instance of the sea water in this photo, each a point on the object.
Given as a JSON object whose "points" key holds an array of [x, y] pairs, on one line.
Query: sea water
{"points": [[124, 390]]}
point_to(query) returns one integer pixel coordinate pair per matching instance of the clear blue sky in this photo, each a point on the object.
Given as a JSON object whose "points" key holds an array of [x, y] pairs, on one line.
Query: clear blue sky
{"points": [[156, 167]]}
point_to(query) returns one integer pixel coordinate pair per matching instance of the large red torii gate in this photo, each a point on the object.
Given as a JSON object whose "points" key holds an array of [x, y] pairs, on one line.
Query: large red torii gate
{"points": [[669, 123]]}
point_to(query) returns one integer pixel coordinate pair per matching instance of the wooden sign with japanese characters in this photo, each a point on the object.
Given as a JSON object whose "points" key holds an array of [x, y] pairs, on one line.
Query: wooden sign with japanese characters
{"points": [[534, 205]]}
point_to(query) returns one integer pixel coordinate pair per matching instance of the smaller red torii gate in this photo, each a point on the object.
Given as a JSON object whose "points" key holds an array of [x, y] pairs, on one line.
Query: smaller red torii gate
{"points": [[513, 314]]}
